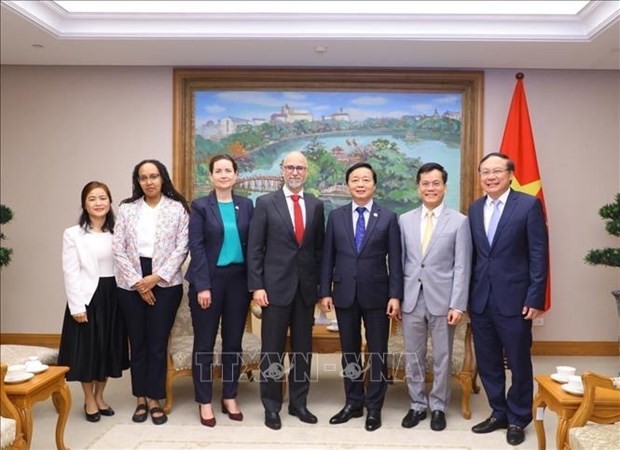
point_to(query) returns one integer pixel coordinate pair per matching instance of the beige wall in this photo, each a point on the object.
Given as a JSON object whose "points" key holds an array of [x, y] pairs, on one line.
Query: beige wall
{"points": [[63, 126]]}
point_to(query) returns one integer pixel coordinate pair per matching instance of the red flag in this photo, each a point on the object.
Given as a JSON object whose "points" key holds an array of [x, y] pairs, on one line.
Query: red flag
{"points": [[518, 144]]}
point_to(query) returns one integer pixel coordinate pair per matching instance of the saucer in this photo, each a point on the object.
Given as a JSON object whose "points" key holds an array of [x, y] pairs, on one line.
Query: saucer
{"points": [[17, 377], [16, 368], [572, 390], [40, 368], [559, 378], [332, 327]]}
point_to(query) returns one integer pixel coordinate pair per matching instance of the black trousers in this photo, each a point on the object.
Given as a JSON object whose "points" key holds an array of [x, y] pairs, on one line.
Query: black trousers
{"points": [[148, 328], [229, 303], [274, 327]]}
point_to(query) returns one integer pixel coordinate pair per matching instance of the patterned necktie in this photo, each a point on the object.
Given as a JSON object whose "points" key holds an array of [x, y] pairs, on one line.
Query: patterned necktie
{"points": [[494, 220], [299, 219], [428, 231], [360, 228]]}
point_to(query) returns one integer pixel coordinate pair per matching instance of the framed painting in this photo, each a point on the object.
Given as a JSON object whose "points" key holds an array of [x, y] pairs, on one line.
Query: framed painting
{"points": [[395, 119]]}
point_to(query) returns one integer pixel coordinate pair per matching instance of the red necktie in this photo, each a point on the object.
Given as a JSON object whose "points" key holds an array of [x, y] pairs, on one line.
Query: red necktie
{"points": [[299, 219]]}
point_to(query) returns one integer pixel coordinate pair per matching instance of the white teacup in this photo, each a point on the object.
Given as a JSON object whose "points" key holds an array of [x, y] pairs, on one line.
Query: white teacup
{"points": [[575, 383], [565, 371], [33, 363]]}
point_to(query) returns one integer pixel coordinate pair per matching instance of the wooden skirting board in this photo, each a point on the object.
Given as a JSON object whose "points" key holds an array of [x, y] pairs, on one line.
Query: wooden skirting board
{"points": [[565, 348], [43, 340]]}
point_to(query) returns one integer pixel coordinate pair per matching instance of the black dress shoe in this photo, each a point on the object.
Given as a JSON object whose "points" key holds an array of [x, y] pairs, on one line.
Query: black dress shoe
{"points": [[140, 414], [438, 420], [272, 420], [303, 414], [413, 418], [94, 417], [489, 425], [373, 420], [515, 435], [346, 413], [158, 416], [106, 412]]}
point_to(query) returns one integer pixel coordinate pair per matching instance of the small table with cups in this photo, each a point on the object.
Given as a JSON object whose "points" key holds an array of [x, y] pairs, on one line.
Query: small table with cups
{"points": [[563, 399], [46, 383]]}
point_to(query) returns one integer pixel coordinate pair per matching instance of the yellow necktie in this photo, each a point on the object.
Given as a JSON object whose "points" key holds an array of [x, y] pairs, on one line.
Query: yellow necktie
{"points": [[428, 231]]}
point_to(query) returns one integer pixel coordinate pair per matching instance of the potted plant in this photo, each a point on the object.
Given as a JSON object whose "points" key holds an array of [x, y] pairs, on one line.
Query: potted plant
{"points": [[608, 256], [5, 253]]}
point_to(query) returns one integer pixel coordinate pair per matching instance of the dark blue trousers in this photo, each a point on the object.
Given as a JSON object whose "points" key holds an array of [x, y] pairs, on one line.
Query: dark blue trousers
{"points": [[148, 328], [377, 325], [230, 300], [494, 335]]}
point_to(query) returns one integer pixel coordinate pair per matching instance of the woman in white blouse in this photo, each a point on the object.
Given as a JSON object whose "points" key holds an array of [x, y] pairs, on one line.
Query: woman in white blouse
{"points": [[93, 342], [149, 246]]}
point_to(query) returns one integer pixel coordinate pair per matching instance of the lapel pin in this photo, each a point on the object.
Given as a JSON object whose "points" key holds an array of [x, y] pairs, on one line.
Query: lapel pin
{"points": [[236, 206], [375, 214]]}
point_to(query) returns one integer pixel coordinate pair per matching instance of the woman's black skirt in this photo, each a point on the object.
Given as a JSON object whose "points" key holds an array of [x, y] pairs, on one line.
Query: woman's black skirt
{"points": [[97, 349]]}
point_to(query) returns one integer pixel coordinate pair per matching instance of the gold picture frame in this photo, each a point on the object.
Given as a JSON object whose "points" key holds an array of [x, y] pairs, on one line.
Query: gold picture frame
{"points": [[468, 85]]}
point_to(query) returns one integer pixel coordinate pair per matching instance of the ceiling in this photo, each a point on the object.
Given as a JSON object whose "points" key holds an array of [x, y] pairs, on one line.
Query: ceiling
{"points": [[43, 33]]}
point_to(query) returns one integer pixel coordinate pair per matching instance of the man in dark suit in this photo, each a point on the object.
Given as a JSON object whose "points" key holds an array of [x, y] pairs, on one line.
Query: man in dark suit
{"points": [[362, 277], [284, 257], [508, 285]]}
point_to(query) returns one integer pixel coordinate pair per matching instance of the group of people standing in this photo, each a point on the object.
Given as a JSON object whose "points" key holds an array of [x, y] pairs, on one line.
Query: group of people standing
{"points": [[426, 268], [124, 285]]}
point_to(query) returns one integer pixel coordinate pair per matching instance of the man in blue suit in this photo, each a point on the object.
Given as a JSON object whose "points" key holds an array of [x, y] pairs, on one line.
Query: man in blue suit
{"points": [[508, 285], [362, 276]]}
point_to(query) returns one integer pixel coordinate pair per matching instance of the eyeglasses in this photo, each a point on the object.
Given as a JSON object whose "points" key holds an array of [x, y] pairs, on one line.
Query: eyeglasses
{"points": [[494, 172], [145, 178], [427, 184], [291, 169]]}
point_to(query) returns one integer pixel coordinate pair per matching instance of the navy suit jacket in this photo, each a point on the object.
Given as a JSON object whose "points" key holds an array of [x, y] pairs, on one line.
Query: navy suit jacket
{"points": [[206, 235], [276, 262], [514, 267], [368, 276]]}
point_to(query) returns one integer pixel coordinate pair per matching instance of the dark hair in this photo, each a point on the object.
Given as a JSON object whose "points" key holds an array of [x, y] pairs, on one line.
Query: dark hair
{"points": [[217, 158], [510, 165], [167, 187], [110, 219], [429, 167], [360, 165]]}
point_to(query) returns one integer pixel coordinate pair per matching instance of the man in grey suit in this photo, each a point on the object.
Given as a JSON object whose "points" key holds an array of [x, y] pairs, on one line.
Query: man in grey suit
{"points": [[285, 242], [437, 252]]}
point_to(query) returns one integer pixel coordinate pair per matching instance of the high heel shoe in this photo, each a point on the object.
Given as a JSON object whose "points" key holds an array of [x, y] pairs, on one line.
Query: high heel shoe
{"points": [[94, 417], [232, 416], [206, 422]]}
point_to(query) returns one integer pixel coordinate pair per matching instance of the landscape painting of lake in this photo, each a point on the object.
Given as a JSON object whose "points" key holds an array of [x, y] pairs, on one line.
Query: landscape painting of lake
{"points": [[396, 132]]}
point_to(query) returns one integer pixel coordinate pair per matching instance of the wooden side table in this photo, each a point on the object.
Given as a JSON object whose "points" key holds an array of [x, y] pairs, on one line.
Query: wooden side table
{"points": [[323, 340], [550, 394], [42, 386]]}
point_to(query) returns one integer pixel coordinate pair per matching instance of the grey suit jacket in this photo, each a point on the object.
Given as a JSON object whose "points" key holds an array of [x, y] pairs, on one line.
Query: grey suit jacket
{"points": [[444, 271]]}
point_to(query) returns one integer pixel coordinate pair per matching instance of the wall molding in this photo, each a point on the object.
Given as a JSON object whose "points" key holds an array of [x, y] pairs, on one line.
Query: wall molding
{"points": [[576, 348], [543, 348], [43, 340]]}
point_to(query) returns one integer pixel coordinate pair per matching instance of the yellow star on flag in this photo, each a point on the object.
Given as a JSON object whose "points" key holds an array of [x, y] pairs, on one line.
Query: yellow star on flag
{"points": [[531, 188]]}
